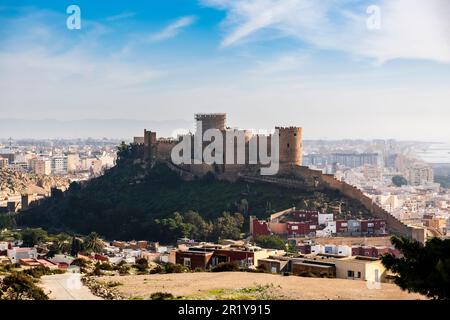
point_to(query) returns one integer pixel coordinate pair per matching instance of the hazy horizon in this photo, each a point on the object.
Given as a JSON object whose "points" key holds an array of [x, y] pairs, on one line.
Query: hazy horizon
{"points": [[42, 129], [313, 64]]}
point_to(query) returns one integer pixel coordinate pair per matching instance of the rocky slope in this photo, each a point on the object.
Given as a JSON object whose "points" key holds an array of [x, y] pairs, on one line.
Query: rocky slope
{"points": [[14, 183]]}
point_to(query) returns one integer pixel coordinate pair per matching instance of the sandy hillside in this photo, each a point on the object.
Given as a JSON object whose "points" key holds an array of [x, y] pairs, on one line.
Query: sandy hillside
{"points": [[200, 285]]}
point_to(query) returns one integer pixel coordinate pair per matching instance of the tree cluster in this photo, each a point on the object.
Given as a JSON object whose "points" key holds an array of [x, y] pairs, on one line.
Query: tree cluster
{"points": [[423, 269], [193, 226]]}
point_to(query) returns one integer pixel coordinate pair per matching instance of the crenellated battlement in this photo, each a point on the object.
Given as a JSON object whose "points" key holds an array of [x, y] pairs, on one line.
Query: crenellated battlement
{"points": [[290, 144]]}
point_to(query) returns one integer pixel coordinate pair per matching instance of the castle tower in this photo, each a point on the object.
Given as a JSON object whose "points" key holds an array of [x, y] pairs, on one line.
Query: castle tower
{"points": [[212, 121], [290, 146], [150, 145]]}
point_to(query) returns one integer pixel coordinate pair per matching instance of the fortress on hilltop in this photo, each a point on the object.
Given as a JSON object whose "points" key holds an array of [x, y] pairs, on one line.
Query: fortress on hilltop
{"points": [[290, 173], [232, 165]]}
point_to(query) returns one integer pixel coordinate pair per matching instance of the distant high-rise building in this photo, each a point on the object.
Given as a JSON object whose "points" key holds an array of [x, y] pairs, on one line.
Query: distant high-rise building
{"points": [[7, 154], [41, 166], [3, 162], [419, 174], [59, 165], [355, 160], [73, 162]]}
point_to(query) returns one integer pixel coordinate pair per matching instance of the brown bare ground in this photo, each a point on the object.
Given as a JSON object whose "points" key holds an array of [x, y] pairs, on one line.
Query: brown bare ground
{"points": [[286, 287], [367, 241]]}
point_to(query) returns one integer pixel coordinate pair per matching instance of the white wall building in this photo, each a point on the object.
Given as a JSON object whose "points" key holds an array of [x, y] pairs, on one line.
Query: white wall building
{"points": [[317, 248], [59, 165], [325, 217], [16, 253]]}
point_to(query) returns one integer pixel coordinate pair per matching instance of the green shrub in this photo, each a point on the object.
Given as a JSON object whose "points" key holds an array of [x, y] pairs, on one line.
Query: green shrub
{"points": [[175, 268], [19, 286], [157, 269], [225, 267], [124, 270], [161, 296], [141, 265], [113, 284], [80, 262], [97, 272], [37, 272], [105, 266]]}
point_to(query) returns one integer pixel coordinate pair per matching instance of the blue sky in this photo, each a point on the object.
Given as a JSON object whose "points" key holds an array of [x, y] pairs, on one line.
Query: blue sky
{"points": [[309, 63]]}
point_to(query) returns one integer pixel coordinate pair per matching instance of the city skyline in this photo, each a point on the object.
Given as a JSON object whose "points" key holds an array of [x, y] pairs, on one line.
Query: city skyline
{"points": [[290, 62]]}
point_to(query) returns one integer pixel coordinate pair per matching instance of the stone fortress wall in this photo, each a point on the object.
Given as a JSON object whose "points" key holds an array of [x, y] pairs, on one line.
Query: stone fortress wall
{"points": [[291, 172]]}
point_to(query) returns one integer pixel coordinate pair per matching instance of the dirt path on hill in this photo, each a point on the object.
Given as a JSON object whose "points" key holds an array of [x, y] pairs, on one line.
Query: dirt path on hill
{"points": [[66, 287]]}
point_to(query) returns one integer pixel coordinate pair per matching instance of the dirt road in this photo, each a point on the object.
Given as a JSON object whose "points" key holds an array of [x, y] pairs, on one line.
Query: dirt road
{"points": [[66, 286]]}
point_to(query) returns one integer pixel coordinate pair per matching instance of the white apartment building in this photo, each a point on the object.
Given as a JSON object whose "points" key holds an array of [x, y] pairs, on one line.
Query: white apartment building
{"points": [[419, 174], [73, 162], [59, 165], [16, 253]]}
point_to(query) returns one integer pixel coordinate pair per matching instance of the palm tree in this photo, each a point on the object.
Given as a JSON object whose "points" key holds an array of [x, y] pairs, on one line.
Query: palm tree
{"points": [[76, 246], [94, 243]]}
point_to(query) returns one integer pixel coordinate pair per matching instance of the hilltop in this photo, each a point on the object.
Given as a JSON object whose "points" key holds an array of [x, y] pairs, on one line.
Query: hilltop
{"points": [[125, 202]]}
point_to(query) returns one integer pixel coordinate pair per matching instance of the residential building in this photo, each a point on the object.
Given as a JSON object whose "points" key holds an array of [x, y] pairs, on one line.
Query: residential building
{"points": [[59, 165], [73, 162], [419, 174], [354, 160], [321, 269], [194, 259], [272, 265], [41, 166], [209, 255], [360, 268], [3, 162], [16, 253]]}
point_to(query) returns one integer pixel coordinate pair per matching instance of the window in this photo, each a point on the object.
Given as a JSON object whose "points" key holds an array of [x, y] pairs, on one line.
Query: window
{"points": [[350, 274], [187, 262], [359, 275]]}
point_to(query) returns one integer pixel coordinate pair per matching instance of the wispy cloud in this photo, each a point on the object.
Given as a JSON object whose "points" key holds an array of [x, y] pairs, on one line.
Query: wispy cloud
{"points": [[174, 28], [121, 16], [410, 29], [66, 64], [285, 63]]}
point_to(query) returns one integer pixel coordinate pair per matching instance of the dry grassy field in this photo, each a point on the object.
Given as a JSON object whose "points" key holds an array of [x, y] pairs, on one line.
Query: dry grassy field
{"points": [[367, 241], [236, 285]]}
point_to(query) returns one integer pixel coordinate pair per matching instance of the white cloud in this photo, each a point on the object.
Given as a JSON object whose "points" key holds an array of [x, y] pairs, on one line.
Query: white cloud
{"points": [[173, 29], [121, 16], [48, 71], [290, 62], [410, 29]]}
